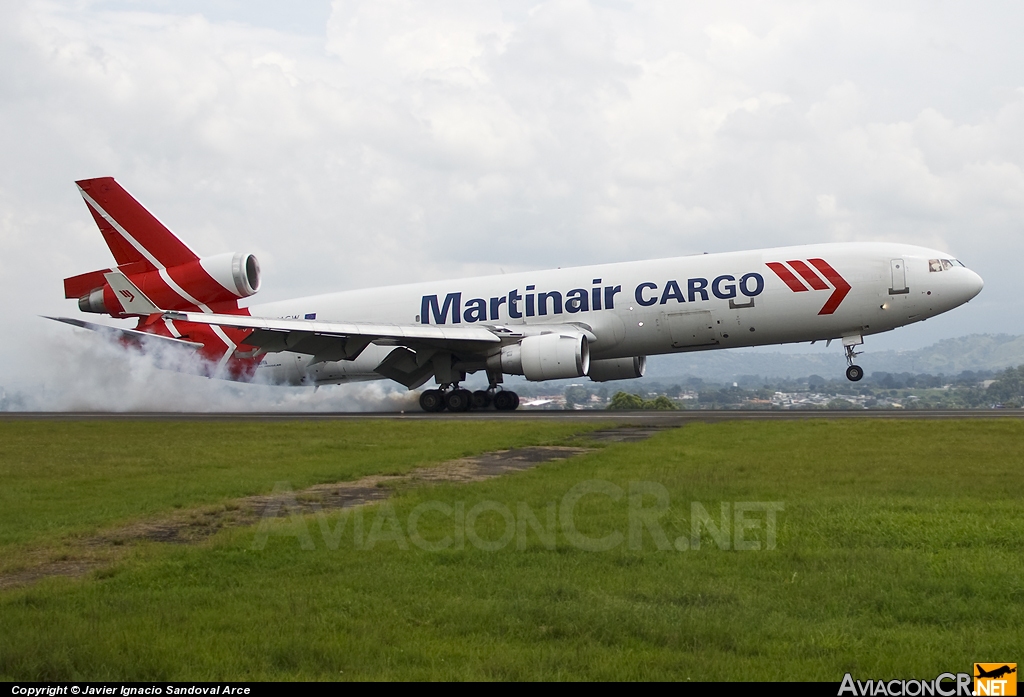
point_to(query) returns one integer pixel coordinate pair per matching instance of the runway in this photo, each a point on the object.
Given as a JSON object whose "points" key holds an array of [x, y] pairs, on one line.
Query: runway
{"points": [[633, 418]]}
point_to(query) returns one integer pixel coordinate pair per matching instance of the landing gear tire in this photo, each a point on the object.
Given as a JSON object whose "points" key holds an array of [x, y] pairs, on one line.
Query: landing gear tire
{"points": [[506, 401], [854, 372], [432, 400], [481, 399], [458, 400]]}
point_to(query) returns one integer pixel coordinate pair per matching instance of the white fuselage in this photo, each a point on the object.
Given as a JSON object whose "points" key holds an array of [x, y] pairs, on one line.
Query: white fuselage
{"points": [[660, 306]]}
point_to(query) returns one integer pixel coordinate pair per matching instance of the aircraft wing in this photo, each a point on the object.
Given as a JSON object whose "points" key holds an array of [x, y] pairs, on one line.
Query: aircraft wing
{"points": [[334, 341], [131, 335]]}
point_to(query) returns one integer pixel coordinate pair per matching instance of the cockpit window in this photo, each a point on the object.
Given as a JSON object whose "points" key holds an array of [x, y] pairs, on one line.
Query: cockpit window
{"points": [[942, 264]]}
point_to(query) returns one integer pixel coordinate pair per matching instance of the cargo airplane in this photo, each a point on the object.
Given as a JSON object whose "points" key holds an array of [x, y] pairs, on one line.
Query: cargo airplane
{"points": [[597, 321]]}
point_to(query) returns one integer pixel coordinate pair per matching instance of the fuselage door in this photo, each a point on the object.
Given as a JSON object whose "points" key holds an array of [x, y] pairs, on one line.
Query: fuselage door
{"points": [[899, 277], [691, 328]]}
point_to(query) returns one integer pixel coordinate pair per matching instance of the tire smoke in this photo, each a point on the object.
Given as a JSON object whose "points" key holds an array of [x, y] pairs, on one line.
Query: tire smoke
{"points": [[85, 371]]}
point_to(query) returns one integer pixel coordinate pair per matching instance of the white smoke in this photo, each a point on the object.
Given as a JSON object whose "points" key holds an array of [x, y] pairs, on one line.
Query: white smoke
{"points": [[85, 371]]}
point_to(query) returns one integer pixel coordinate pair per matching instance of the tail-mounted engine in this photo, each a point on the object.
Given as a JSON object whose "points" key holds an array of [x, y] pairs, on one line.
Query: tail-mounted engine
{"points": [[207, 281]]}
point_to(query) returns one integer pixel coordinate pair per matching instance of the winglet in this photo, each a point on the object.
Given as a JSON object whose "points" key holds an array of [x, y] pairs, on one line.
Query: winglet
{"points": [[133, 300]]}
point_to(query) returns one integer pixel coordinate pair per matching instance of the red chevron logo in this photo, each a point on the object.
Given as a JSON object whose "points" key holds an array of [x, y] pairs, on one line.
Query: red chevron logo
{"points": [[842, 288]]}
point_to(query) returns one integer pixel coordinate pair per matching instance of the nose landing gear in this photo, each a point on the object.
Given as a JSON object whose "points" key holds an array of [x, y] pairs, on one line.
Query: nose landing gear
{"points": [[853, 372]]}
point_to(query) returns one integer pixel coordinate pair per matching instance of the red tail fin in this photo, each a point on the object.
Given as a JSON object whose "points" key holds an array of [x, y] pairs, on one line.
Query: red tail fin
{"points": [[132, 233], [155, 265], [156, 262]]}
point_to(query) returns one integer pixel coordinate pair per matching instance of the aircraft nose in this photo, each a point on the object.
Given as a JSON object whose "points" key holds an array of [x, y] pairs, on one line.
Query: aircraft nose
{"points": [[972, 285]]}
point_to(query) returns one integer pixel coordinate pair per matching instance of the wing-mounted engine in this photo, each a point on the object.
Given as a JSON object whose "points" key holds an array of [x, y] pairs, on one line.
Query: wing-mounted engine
{"points": [[544, 357], [629, 368]]}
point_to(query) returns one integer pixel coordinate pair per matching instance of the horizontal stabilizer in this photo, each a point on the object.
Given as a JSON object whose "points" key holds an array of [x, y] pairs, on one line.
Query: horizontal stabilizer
{"points": [[83, 284]]}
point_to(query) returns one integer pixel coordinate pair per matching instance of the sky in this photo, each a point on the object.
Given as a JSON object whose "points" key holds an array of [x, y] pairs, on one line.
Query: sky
{"points": [[352, 144]]}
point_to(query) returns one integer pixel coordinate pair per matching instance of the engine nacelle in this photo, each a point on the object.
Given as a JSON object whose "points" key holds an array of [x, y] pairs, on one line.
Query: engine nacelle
{"points": [[220, 278], [98, 301], [237, 272], [544, 357], [618, 369]]}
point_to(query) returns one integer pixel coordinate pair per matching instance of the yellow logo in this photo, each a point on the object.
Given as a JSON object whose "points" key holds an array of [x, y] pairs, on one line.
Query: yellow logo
{"points": [[995, 679]]}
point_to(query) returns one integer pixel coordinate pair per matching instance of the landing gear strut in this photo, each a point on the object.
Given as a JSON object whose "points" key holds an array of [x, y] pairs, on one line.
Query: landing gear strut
{"points": [[853, 372]]}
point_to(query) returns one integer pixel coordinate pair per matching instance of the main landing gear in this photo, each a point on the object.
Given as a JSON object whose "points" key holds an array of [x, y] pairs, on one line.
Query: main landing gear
{"points": [[506, 401], [454, 398]]}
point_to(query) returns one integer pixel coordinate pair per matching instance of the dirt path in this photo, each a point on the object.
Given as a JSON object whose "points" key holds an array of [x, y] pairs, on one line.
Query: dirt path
{"points": [[189, 526]]}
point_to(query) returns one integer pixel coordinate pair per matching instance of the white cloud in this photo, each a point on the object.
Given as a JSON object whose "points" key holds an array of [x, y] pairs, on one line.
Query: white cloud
{"points": [[411, 141]]}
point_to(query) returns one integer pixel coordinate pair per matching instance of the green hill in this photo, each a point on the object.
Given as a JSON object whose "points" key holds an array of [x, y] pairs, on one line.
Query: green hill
{"points": [[949, 356]]}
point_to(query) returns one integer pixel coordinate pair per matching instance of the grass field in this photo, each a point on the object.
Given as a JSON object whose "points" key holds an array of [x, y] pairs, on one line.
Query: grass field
{"points": [[898, 554], [74, 477]]}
